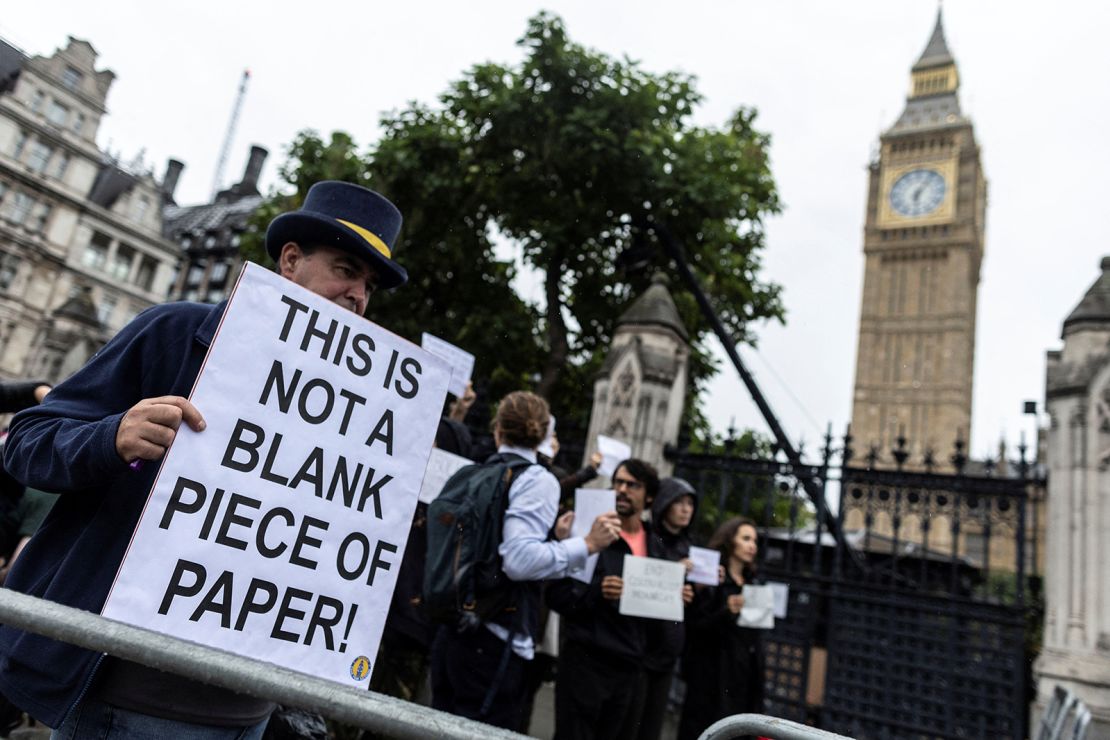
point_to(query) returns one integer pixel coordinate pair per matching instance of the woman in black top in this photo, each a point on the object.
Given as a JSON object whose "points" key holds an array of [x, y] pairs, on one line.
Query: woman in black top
{"points": [[723, 662]]}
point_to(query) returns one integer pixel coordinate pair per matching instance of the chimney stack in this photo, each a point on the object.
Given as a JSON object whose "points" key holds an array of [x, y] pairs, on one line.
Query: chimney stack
{"points": [[253, 170], [169, 182]]}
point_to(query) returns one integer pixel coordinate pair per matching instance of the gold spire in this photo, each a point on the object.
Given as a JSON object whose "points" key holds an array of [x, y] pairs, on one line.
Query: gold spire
{"points": [[935, 71]]}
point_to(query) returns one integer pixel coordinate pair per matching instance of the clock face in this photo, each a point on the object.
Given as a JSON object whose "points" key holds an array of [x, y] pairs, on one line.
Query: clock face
{"points": [[917, 193]]}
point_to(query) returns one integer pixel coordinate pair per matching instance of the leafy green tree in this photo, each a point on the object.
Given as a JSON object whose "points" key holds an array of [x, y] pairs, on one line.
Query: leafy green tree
{"points": [[570, 147], [562, 154]]}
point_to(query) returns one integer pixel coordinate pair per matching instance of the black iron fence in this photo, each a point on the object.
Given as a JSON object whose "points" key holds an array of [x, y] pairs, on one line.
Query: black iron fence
{"points": [[913, 590]]}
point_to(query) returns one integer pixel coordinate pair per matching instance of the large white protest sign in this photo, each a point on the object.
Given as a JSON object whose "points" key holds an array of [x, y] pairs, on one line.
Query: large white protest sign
{"points": [[441, 466], [589, 504], [758, 611], [613, 453], [652, 588], [461, 361], [277, 532], [707, 566]]}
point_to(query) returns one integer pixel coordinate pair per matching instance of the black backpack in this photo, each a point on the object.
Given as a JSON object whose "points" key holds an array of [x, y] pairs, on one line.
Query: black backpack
{"points": [[463, 580]]}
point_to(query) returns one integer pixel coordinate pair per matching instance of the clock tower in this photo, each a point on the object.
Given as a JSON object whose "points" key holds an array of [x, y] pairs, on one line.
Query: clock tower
{"points": [[923, 247]]}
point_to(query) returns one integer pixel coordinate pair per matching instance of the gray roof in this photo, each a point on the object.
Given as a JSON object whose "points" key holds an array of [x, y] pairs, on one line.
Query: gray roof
{"points": [[932, 111], [936, 52], [209, 217], [111, 182], [11, 64], [655, 307], [1094, 309]]}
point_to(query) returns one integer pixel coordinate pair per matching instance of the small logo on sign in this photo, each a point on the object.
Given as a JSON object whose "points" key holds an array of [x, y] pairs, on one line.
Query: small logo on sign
{"points": [[360, 668]]}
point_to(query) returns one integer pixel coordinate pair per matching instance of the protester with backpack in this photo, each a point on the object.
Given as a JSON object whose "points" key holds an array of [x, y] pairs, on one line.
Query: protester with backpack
{"points": [[489, 545]]}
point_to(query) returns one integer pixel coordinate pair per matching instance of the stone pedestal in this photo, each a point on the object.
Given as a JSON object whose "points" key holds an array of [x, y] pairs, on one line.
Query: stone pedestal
{"points": [[640, 393]]}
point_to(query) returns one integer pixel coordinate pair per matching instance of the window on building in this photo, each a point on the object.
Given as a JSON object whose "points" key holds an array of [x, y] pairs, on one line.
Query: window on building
{"points": [[215, 295], [96, 251], [20, 145], [9, 266], [57, 114], [142, 205], [191, 294], [210, 242], [144, 277], [120, 268], [71, 78], [105, 307], [79, 123], [3, 192], [196, 272], [37, 101], [19, 207], [235, 239], [219, 274], [40, 156], [61, 166], [40, 217]]}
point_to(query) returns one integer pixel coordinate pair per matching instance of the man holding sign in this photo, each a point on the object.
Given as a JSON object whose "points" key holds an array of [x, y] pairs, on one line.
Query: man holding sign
{"points": [[89, 442], [599, 680]]}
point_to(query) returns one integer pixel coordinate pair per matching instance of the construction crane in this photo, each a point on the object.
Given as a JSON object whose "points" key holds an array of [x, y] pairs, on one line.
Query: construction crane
{"points": [[217, 181]]}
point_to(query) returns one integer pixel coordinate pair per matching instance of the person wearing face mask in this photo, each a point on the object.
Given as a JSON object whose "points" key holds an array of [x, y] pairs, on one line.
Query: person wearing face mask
{"points": [[723, 662], [672, 513]]}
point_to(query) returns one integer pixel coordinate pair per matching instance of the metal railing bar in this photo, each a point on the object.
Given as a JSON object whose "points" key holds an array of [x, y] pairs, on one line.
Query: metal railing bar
{"points": [[760, 724], [366, 709]]}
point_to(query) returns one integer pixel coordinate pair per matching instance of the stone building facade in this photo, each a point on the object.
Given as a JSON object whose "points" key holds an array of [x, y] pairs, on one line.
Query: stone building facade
{"points": [[923, 247], [1076, 651], [640, 392], [81, 245]]}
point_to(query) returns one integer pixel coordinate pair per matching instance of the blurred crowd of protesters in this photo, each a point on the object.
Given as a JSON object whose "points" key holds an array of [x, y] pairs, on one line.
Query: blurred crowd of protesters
{"points": [[613, 672]]}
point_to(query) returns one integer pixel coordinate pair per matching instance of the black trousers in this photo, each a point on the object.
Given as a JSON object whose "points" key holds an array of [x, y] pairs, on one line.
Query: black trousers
{"points": [[653, 705], [595, 694], [464, 668]]}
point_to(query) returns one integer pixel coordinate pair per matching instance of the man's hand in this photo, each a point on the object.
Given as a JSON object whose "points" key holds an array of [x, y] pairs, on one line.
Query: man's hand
{"points": [[611, 587], [605, 530], [687, 563], [563, 525], [595, 460], [148, 427], [687, 593], [460, 406], [735, 603]]}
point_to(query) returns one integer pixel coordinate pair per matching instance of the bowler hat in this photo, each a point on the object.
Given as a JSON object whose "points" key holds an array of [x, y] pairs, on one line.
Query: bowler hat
{"points": [[348, 217]]}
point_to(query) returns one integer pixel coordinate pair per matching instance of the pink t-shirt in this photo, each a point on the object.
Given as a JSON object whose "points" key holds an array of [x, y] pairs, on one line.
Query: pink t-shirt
{"points": [[636, 542]]}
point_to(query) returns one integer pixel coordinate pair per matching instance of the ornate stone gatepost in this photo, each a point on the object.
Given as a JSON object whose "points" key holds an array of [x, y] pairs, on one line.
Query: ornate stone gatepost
{"points": [[640, 392], [1076, 651]]}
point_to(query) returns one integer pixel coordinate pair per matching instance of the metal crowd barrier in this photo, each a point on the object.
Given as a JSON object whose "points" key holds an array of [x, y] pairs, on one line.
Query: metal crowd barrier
{"points": [[365, 709], [764, 726]]}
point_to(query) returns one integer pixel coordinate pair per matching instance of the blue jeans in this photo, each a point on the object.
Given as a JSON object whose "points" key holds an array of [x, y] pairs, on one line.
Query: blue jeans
{"points": [[94, 720]]}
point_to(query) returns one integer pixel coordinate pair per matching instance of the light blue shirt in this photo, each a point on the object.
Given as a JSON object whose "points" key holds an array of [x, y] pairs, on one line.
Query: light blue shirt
{"points": [[526, 552]]}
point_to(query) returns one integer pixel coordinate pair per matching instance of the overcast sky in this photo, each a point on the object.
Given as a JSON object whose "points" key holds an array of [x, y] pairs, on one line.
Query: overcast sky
{"points": [[826, 77]]}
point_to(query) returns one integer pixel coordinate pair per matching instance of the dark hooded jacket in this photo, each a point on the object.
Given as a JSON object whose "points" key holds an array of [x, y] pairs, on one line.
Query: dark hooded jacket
{"points": [[665, 639]]}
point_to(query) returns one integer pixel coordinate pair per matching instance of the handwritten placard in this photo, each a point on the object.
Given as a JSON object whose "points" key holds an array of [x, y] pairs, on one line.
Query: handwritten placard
{"points": [[652, 588]]}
